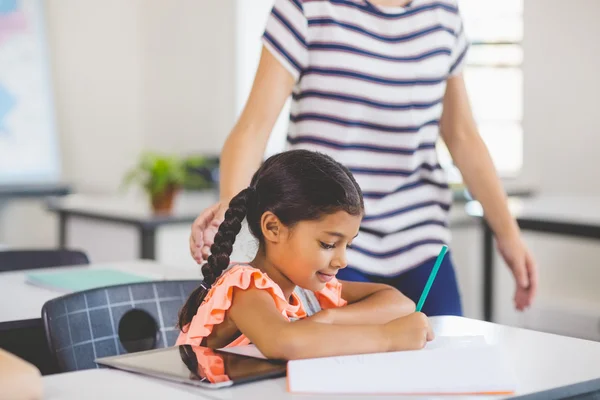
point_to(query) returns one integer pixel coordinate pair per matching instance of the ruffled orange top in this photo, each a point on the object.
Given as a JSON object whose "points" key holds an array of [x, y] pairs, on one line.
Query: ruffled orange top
{"points": [[219, 298]]}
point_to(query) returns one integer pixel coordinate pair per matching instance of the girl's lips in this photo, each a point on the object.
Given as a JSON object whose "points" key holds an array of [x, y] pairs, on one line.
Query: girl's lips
{"points": [[325, 277]]}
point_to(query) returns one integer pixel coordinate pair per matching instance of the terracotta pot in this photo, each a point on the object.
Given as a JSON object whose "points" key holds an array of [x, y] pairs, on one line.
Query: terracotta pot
{"points": [[162, 203]]}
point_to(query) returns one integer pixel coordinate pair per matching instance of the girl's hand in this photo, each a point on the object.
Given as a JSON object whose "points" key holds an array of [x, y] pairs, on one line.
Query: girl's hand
{"points": [[408, 333]]}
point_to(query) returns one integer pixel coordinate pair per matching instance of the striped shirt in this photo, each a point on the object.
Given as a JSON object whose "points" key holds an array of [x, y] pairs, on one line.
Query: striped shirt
{"points": [[369, 87]]}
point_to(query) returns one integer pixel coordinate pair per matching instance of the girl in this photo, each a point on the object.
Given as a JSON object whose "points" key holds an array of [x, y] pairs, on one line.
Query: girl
{"points": [[305, 209]]}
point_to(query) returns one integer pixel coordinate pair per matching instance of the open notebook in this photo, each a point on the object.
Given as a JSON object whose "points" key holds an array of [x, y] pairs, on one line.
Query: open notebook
{"points": [[445, 370], [447, 365]]}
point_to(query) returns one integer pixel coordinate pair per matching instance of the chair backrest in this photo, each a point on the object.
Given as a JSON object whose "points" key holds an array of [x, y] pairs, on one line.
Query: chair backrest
{"points": [[83, 326], [16, 260]]}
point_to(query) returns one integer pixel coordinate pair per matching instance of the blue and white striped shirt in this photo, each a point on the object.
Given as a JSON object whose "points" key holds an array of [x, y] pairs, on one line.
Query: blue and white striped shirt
{"points": [[369, 87]]}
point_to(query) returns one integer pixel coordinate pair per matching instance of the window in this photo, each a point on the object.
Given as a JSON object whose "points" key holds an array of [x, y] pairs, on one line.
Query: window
{"points": [[494, 80]]}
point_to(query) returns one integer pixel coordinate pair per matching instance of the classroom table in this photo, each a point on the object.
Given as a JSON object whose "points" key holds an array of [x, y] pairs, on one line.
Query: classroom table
{"points": [[134, 212], [21, 329], [33, 190], [547, 366], [575, 216]]}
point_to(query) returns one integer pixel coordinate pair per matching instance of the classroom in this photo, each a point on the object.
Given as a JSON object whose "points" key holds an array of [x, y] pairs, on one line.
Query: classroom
{"points": [[294, 199]]}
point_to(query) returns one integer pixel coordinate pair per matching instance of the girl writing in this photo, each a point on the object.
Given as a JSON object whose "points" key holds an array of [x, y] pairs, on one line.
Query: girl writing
{"points": [[305, 209]]}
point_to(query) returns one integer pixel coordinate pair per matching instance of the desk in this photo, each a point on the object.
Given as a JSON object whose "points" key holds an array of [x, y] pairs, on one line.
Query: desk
{"points": [[543, 362], [21, 306], [576, 216], [13, 191], [133, 212]]}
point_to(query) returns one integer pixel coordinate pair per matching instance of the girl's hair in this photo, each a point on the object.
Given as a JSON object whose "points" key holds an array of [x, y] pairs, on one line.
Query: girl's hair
{"points": [[297, 185]]}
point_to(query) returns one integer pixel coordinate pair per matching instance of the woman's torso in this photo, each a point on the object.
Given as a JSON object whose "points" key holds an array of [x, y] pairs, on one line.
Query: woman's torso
{"points": [[371, 97]]}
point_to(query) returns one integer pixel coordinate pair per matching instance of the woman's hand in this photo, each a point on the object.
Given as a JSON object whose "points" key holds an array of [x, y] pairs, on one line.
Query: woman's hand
{"points": [[204, 230], [523, 266]]}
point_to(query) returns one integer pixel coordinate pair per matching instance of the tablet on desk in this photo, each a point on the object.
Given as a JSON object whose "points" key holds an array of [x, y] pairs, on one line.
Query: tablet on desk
{"points": [[198, 366]]}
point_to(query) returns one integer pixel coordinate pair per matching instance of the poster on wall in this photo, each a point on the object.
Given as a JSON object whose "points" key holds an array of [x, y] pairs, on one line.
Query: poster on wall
{"points": [[29, 151]]}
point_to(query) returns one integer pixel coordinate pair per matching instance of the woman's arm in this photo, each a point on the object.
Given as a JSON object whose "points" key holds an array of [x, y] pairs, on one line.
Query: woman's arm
{"points": [[363, 298], [18, 379], [244, 148], [471, 156], [255, 315]]}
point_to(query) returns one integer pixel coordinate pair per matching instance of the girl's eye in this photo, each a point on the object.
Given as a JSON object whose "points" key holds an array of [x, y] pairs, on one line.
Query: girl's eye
{"points": [[326, 246], [349, 246]]}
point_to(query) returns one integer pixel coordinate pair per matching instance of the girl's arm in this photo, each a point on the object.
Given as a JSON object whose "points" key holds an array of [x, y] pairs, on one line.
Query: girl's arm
{"points": [[363, 298], [255, 315], [472, 158], [18, 379]]}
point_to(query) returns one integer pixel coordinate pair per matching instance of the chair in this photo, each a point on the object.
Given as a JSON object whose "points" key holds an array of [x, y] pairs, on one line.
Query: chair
{"points": [[114, 320], [16, 260]]}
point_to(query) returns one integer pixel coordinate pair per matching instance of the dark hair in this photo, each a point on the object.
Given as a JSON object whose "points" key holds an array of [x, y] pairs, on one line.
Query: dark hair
{"points": [[296, 185]]}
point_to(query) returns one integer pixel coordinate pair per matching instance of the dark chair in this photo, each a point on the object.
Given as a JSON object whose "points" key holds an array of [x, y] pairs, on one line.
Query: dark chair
{"points": [[81, 327], [16, 260]]}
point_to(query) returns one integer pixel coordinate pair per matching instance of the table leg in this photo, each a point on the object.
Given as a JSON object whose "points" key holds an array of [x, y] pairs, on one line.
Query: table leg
{"points": [[488, 272], [62, 230], [147, 243]]}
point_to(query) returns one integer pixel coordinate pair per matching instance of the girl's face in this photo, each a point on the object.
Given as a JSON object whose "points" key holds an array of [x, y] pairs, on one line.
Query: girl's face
{"points": [[311, 253]]}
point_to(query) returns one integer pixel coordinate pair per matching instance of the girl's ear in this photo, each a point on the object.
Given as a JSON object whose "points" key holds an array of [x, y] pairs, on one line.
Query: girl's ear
{"points": [[271, 227]]}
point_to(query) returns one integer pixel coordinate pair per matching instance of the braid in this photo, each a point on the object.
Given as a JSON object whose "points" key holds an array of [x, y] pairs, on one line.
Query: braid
{"points": [[225, 238], [221, 250]]}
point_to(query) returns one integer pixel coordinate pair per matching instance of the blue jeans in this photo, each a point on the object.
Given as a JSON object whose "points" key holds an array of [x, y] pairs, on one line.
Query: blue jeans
{"points": [[443, 298]]}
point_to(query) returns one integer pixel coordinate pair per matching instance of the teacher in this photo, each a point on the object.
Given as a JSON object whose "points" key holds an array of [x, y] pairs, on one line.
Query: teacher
{"points": [[374, 84]]}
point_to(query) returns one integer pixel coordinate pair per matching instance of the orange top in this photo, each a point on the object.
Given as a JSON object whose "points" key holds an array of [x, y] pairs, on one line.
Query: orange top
{"points": [[218, 300]]}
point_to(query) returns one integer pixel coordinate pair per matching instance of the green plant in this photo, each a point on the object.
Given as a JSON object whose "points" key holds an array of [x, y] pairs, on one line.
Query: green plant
{"points": [[200, 171], [157, 173]]}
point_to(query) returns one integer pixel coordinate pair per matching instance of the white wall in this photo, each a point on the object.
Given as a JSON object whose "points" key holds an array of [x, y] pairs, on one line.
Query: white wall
{"points": [[97, 58], [561, 64], [128, 76], [562, 137], [189, 74]]}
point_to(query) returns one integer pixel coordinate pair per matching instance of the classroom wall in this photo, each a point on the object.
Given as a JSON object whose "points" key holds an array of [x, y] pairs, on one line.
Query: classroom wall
{"points": [[562, 60], [562, 135]]}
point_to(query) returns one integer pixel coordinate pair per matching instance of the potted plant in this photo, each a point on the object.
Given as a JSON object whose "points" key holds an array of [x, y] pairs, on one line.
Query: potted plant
{"points": [[201, 172], [161, 176]]}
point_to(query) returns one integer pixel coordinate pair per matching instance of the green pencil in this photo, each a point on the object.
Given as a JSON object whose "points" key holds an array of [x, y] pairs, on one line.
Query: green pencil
{"points": [[434, 272]]}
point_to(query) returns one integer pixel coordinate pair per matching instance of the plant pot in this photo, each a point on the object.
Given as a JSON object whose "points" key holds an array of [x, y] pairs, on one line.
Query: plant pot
{"points": [[162, 203]]}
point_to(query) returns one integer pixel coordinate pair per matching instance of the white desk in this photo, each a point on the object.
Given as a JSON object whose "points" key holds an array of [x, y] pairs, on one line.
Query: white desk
{"points": [[542, 362], [576, 216], [21, 301]]}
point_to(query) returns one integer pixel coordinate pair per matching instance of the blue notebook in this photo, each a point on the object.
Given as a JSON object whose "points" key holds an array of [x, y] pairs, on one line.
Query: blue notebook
{"points": [[83, 279]]}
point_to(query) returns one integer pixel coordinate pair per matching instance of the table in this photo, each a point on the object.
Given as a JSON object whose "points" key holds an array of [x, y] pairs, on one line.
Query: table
{"points": [[576, 216], [13, 191], [21, 328], [128, 211], [543, 362]]}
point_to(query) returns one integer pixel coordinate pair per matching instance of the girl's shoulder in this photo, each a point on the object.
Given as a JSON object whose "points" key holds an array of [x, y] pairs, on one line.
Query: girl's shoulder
{"points": [[244, 276]]}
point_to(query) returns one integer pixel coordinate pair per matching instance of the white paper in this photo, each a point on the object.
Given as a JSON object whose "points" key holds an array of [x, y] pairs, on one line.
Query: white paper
{"points": [[456, 341], [472, 369], [249, 350]]}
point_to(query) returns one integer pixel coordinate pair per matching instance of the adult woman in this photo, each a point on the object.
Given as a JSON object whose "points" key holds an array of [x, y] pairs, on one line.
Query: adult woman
{"points": [[373, 84]]}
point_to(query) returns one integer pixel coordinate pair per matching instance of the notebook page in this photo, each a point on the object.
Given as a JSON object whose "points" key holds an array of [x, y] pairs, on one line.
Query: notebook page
{"points": [[477, 369]]}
